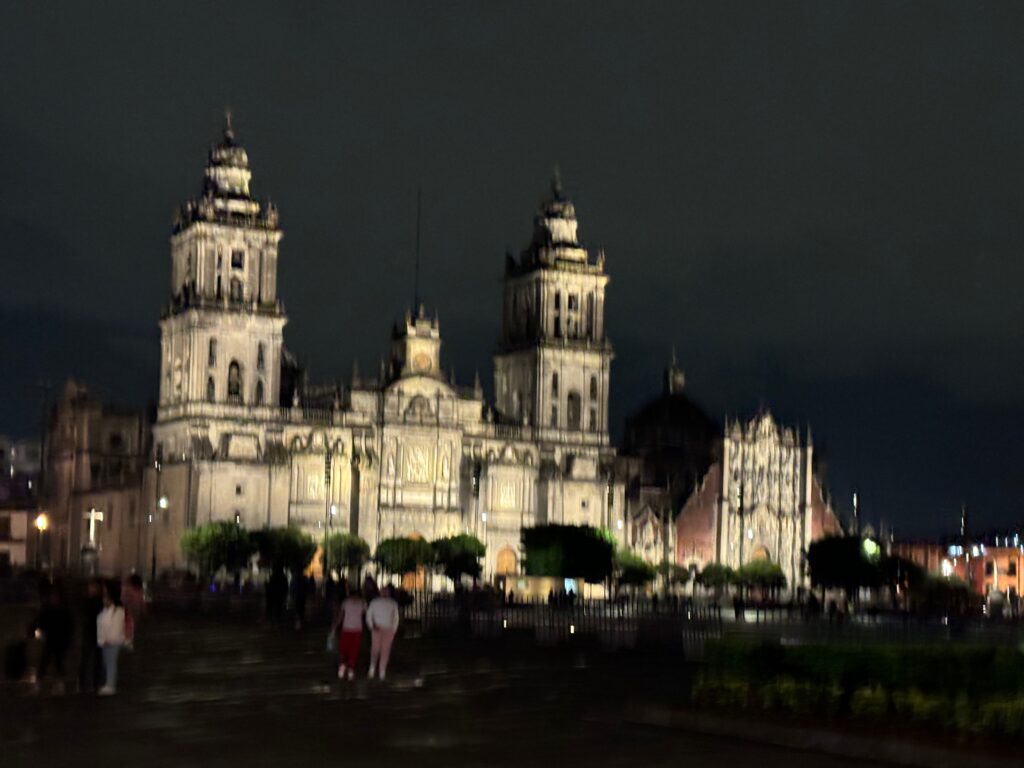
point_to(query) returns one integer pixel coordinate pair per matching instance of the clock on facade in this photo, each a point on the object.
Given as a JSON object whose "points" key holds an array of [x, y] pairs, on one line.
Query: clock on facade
{"points": [[421, 363]]}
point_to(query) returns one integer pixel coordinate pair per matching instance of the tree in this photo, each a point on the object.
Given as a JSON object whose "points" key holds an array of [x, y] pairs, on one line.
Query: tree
{"points": [[217, 545], [568, 551], [403, 555], [900, 575], [844, 562], [289, 548], [457, 555], [348, 551], [761, 573], [633, 569], [716, 577], [671, 573]]}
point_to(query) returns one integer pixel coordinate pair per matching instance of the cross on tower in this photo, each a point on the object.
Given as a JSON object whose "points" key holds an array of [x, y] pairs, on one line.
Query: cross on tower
{"points": [[93, 516]]}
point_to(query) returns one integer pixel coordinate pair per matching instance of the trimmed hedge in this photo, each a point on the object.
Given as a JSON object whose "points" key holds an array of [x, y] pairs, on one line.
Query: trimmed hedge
{"points": [[975, 690]]}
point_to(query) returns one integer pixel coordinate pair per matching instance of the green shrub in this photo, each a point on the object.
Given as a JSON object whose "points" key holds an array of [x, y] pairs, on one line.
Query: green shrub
{"points": [[1003, 717], [722, 693], [923, 708], [869, 701]]}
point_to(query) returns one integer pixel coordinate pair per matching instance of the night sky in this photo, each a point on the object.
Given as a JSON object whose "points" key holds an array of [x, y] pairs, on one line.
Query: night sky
{"points": [[820, 205]]}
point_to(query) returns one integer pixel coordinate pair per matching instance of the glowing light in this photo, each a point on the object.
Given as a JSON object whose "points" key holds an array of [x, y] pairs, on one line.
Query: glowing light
{"points": [[162, 502], [483, 516], [334, 510], [572, 629], [504, 623], [42, 522], [947, 568], [619, 524], [750, 534], [871, 548]]}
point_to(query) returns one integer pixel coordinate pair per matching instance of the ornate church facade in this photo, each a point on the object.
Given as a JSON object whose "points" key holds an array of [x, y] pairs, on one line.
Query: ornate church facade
{"points": [[408, 453]]}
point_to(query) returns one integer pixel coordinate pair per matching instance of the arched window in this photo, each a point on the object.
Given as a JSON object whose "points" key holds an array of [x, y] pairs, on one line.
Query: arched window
{"points": [[573, 414], [554, 384], [259, 357], [593, 387], [259, 393], [211, 390], [236, 289], [593, 420], [558, 299], [234, 382], [211, 357]]}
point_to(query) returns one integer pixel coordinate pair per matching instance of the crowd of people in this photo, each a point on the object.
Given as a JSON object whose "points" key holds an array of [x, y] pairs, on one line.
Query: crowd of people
{"points": [[106, 619]]}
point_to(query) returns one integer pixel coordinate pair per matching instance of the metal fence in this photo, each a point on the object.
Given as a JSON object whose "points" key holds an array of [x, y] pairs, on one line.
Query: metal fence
{"points": [[612, 624]]}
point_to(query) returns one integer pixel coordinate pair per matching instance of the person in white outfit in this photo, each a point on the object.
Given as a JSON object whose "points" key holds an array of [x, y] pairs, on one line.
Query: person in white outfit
{"points": [[110, 636], [382, 619]]}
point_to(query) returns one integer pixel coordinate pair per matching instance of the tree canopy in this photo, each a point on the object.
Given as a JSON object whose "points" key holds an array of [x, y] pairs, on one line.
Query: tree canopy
{"points": [[218, 545], [762, 573], [347, 551], [402, 555], [458, 555], [715, 576], [633, 569], [673, 573], [289, 548], [568, 551]]}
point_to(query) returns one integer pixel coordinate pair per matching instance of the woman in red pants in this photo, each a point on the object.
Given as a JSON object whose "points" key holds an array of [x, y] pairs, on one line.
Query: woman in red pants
{"points": [[348, 623]]}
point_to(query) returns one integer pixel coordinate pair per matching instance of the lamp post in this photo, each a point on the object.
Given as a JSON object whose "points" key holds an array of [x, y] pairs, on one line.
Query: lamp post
{"points": [[329, 511], [42, 522]]}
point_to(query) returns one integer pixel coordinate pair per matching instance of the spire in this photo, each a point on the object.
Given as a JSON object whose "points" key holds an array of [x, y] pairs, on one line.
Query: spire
{"points": [[416, 273], [229, 131], [478, 390], [556, 183]]}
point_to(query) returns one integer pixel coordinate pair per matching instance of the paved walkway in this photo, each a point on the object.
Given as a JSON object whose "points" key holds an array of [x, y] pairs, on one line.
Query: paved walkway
{"points": [[201, 692]]}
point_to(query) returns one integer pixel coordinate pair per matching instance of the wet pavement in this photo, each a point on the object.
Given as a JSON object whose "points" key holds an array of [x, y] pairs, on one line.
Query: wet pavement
{"points": [[200, 692]]}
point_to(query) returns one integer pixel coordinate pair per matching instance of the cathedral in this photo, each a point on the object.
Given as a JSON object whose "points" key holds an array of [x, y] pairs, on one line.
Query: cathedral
{"points": [[239, 437]]}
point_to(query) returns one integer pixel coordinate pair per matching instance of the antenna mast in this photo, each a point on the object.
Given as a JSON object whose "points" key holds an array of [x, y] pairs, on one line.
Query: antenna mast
{"points": [[416, 283]]}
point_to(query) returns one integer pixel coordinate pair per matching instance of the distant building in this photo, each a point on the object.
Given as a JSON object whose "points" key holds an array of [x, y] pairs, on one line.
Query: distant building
{"points": [[986, 567], [708, 496], [95, 458]]}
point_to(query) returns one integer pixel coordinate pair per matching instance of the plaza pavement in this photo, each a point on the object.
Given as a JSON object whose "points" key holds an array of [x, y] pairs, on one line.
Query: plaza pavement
{"points": [[225, 692]]}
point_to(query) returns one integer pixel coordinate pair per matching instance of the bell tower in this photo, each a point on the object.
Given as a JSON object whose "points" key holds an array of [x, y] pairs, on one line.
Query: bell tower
{"points": [[221, 333], [553, 361]]}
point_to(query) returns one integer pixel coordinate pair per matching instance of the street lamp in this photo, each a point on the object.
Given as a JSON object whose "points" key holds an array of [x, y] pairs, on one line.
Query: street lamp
{"points": [[42, 522]]}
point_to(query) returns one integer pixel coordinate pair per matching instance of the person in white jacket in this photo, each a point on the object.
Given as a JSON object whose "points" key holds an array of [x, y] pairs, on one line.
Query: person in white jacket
{"points": [[110, 635], [382, 619]]}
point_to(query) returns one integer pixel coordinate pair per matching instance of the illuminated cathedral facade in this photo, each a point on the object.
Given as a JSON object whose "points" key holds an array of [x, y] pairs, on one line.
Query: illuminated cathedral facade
{"points": [[239, 437]]}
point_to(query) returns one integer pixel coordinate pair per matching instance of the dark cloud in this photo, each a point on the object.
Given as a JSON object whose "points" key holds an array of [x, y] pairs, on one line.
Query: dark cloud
{"points": [[818, 204]]}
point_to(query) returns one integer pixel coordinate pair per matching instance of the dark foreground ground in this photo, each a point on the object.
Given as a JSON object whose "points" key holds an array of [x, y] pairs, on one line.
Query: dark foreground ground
{"points": [[203, 692]]}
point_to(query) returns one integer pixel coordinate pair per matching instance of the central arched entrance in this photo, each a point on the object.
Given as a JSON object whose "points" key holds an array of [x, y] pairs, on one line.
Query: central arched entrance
{"points": [[506, 562]]}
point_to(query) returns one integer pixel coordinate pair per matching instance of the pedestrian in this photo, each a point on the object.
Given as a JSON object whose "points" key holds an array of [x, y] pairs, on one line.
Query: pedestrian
{"points": [[134, 601], [53, 625], [382, 619], [370, 590], [300, 589], [89, 663], [110, 635], [348, 624], [277, 594]]}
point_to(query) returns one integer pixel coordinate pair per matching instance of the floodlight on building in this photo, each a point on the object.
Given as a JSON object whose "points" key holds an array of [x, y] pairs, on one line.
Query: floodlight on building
{"points": [[334, 510], [162, 502], [483, 516], [619, 525], [42, 522], [750, 534]]}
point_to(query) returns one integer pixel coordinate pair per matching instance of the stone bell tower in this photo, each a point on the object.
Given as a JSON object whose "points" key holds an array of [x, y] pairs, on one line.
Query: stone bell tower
{"points": [[553, 360], [221, 333]]}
